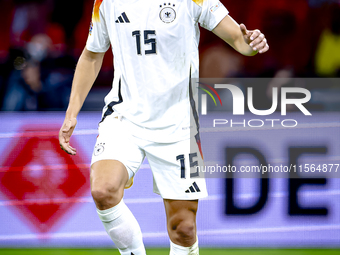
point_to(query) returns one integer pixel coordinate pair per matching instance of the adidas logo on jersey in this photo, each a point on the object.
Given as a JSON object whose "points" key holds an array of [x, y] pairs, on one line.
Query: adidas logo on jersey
{"points": [[122, 19], [193, 188]]}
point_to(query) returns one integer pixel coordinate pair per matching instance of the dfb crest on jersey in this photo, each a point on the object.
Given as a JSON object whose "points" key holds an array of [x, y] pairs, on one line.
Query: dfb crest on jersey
{"points": [[167, 13], [98, 149]]}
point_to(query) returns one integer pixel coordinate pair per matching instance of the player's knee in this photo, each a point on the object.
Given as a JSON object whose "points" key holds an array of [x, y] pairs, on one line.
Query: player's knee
{"points": [[106, 197], [184, 231]]}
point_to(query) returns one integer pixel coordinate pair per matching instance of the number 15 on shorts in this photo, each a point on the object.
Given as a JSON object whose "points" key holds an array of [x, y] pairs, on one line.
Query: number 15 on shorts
{"points": [[193, 164]]}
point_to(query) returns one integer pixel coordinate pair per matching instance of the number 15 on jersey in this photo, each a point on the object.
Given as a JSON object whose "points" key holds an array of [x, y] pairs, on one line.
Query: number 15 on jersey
{"points": [[149, 42]]}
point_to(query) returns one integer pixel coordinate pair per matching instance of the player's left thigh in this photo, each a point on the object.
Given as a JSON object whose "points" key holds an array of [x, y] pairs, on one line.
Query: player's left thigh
{"points": [[181, 221]]}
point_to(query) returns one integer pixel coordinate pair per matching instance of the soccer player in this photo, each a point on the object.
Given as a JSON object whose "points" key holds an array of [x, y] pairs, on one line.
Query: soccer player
{"points": [[147, 112]]}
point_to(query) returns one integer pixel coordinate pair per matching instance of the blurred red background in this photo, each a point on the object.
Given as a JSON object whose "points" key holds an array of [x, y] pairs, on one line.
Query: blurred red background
{"points": [[42, 40]]}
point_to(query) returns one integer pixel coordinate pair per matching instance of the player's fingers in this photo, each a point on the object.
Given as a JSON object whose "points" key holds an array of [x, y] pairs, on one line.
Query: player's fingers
{"points": [[73, 149], [265, 49], [244, 30], [67, 148], [61, 137], [65, 135], [254, 34], [258, 43]]}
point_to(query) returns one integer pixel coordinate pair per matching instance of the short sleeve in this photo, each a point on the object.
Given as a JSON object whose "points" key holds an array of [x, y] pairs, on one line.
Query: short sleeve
{"points": [[212, 12], [98, 39]]}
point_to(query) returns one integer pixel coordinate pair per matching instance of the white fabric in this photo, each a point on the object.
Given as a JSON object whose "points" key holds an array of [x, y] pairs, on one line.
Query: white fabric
{"points": [[116, 142], [154, 83], [123, 229], [180, 250]]}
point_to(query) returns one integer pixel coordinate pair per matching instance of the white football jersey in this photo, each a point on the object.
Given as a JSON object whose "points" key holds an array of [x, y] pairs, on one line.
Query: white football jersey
{"points": [[155, 48]]}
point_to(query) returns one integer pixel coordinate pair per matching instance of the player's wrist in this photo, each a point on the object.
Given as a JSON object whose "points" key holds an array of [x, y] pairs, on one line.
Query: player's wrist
{"points": [[71, 112], [70, 116]]}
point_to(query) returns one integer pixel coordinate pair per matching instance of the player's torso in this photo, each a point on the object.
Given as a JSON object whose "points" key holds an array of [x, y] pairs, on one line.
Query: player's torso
{"points": [[153, 33], [154, 45]]}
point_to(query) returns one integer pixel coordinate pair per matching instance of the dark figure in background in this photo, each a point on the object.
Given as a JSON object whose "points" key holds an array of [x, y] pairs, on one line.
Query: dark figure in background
{"points": [[41, 80]]}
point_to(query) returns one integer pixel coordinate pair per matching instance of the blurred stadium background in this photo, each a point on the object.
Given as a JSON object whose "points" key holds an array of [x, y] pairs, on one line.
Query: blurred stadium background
{"points": [[45, 198]]}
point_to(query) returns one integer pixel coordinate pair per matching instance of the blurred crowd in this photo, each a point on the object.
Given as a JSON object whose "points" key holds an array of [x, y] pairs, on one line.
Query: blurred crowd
{"points": [[42, 40]]}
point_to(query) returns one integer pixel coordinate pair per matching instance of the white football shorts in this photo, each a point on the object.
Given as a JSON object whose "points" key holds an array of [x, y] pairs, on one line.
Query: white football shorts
{"points": [[173, 178]]}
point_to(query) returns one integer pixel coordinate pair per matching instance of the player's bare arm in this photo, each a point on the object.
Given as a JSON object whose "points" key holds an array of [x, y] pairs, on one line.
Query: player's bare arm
{"points": [[247, 42], [86, 72]]}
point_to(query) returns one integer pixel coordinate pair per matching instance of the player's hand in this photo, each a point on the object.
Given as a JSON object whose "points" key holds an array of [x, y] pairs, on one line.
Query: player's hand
{"points": [[65, 135], [255, 39]]}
